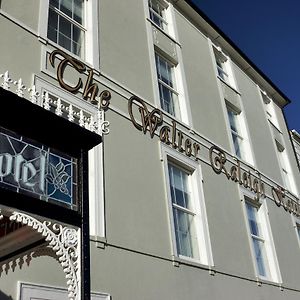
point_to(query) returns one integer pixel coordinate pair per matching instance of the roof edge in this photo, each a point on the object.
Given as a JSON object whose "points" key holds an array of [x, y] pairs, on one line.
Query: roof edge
{"points": [[284, 99]]}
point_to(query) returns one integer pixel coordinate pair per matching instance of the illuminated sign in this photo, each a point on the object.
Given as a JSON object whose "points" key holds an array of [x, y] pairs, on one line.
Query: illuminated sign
{"points": [[34, 169]]}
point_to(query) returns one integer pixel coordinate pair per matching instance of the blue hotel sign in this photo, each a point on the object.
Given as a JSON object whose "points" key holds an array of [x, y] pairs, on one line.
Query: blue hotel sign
{"points": [[34, 169]]}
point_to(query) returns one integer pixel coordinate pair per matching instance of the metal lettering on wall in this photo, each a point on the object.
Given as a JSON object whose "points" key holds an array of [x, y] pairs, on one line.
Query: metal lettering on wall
{"points": [[250, 181], [170, 135], [90, 88], [31, 168], [152, 120]]}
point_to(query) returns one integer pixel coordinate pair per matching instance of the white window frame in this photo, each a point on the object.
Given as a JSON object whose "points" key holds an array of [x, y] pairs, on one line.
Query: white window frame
{"points": [[75, 24], [265, 236], [270, 110], [199, 209], [281, 152], [223, 67], [285, 169], [237, 133], [241, 134], [91, 43], [27, 291], [172, 89], [296, 224], [163, 17], [174, 58], [96, 177]]}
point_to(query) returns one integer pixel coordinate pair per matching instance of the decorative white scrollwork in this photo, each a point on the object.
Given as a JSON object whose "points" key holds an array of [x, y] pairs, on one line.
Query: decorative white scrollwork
{"points": [[103, 126], [20, 87], [6, 80], [34, 94], [61, 107], [64, 241]]}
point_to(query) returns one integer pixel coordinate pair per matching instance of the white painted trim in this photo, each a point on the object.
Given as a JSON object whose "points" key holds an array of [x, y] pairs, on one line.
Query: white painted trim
{"points": [[184, 100], [180, 82], [43, 20], [263, 215], [50, 292], [247, 144], [91, 47], [92, 35], [201, 226], [270, 245], [285, 156], [296, 224]]}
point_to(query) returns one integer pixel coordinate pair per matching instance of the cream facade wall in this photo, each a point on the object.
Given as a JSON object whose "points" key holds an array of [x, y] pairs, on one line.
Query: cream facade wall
{"points": [[133, 253]]}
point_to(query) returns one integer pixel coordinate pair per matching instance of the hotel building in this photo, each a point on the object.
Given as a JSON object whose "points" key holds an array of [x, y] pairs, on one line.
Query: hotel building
{"points": [[193, 189]]}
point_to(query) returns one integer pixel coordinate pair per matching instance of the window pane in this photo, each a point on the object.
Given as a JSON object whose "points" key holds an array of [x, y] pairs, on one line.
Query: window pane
{"points": [[66, 7], [298, 230], [252, 218], [52, 26], [156, 19], [64, 38], [179, 194], [165, 72], [175, 182], [77, 40], [186, 240], [237, 145], [260, 257], [179, 181], [232, 120], [157, 14], [65, 27], [54, 3], [78, 11], [156, 7], [64, 31], [166, 99]]}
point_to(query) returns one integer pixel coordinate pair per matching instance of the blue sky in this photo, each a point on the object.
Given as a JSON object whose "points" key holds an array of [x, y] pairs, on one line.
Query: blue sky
{"points": [[267, 31]]}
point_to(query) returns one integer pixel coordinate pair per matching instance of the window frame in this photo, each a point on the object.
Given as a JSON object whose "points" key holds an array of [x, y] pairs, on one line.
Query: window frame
{"points": [[91, 43], [296, 225], [285, 169], [162, 23], [82, 27], [273, 274], [223, 67], [188, 212], [172, 89], [238, 133], [259, 237], [286, 172], [171, 156]]}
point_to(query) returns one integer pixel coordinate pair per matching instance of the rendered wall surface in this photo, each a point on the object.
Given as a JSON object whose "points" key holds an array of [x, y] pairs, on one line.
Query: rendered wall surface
{"points": [[134, 259]]}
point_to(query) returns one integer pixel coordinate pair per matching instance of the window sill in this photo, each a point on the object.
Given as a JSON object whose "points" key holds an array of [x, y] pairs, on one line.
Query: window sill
{"points": [[48, 43], [275, 126], [264, 280], [101, 242], [192, 262], [164, 32], [229, 85]]}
